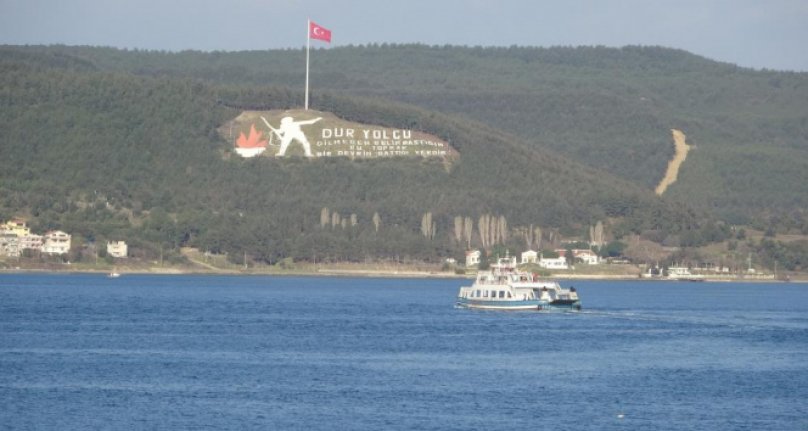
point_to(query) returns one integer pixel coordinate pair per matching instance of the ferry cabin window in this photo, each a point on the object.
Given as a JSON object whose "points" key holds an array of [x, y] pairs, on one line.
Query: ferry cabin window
{"points": [[509, 295], [477, 293], [501, 293], [485, 294]]}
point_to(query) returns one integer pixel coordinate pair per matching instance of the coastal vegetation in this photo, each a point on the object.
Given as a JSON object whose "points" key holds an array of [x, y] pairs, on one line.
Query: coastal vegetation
{"points": [[611, 109], [110, 144]]}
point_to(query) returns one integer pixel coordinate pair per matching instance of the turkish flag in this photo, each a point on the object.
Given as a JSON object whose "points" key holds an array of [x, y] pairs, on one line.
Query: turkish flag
{"points": [[318, 32]]}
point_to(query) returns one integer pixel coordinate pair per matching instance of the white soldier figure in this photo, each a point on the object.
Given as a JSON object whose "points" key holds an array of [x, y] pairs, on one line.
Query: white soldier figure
{"points": [[289, 131]]}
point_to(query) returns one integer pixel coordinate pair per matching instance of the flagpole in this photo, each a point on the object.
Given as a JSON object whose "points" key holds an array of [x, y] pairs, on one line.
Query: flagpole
{"points": [[308, 43]]}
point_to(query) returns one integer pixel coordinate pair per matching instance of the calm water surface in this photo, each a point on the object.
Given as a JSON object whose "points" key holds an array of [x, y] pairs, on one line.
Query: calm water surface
{"points": [[214, 352]]}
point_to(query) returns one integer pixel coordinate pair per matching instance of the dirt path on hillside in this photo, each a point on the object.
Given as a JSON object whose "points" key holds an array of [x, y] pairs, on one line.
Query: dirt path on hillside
{"points": [[678, 158]]}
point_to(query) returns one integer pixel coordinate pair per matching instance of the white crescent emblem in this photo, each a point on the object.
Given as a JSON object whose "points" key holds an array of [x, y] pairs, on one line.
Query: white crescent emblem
{"points": [[317, 31]]}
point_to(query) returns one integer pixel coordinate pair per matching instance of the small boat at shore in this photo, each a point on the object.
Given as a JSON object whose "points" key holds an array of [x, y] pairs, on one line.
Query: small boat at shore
{"points": [[114, 274], [682, 273], [504, 287]]}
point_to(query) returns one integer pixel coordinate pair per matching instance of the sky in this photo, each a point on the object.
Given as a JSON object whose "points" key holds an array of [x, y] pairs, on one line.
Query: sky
{"points": [[771, 34]]}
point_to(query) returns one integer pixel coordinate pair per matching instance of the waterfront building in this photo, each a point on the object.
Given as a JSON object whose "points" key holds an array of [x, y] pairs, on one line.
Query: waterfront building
{"points": [[31, 241], [553, 262], [56, 242], [15, 226], [530, 256], [9, 244], [581, 255], [472, 258], [117, 249]]}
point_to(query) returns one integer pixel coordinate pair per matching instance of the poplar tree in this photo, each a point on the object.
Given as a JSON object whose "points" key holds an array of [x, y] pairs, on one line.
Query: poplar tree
{"points": [[503, 229], [537, 237], [428, 226], [468, 230], [482, 226], [377, 221], [458, 228]]}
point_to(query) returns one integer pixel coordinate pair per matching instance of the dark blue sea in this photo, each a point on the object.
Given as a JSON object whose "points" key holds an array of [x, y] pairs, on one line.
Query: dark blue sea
{"points": [[82, 352]]}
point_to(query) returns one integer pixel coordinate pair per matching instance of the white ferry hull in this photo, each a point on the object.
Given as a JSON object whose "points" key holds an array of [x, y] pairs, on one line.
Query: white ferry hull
{"points": [[502, 305]]}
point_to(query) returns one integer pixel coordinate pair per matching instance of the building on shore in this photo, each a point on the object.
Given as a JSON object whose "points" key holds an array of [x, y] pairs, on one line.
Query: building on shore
{"points": [[530, 256], [15, 226], [553, 262], [31, 241], [16, 236], [117, 249], [56, 242], [581, 255], [472, 258], [9, 244]]}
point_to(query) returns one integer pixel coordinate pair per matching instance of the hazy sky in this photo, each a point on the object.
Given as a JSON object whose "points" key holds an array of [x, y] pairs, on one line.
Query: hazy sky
{"points": [[755, 33]]}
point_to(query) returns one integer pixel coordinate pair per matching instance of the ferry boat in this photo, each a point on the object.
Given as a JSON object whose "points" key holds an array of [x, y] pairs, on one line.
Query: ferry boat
{"points": [[504, 287]]}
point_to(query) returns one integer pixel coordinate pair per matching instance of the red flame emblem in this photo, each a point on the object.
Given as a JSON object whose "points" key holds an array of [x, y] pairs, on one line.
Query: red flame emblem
{"points": [[251, 141]]}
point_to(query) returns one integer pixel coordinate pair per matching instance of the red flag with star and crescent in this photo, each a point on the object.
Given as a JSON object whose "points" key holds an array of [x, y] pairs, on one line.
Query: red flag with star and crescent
{"points": [[319, 32]]}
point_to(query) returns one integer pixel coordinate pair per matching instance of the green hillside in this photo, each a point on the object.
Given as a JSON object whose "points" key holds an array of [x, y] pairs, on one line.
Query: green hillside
{"points": [[611, 109], [106, 154]]}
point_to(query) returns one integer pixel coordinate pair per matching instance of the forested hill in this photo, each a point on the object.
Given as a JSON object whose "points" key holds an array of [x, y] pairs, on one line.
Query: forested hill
{"points": [[611, 109], [107, 154]]}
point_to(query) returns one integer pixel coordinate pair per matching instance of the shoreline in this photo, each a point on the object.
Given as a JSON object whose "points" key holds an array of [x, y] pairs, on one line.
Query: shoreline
{"points": [[403, 272]]}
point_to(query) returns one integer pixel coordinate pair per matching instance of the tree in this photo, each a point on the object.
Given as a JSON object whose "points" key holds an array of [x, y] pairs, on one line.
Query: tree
{"points": [[377, 221], [427, 226], [640, 250], [485, 263], [537, 237], [569, 256], [483, 227], [596, 234], [458, 228], [503, 229], [468, 231], [325, 217], [335, 220], [613, 249]]}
